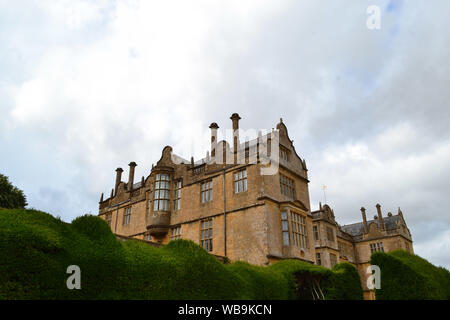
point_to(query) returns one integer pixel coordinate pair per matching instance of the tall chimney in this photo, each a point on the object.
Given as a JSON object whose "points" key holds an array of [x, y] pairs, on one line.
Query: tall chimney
{"points": [[380, 217], [118, 178], [131, 176], [363, 213], [101, 198], [213, 128], [235, 118]]}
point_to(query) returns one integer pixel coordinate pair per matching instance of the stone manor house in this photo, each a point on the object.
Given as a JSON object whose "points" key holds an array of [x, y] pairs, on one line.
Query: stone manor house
{"points": [[231, 209]]}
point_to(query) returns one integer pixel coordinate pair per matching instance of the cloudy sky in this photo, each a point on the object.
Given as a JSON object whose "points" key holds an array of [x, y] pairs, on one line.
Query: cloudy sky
{"points": [[88, 86]]}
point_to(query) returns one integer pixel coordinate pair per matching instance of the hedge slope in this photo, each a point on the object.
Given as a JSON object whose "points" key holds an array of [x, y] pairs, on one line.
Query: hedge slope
{"points": [[405, 276], [36, 250]]}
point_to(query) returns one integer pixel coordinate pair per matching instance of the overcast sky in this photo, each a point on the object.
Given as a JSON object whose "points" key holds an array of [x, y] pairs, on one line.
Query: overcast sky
{"points": [[88, 86]]}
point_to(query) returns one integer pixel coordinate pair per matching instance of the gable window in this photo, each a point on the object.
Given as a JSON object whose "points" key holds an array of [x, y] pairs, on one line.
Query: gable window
{"points": [[318, 259], [376, 247], [177, 196], [316, 233], [287, 186], [127, 216], [175, 233], [207, 191], [109, 219], [299, 234], [333, 259], [330, 234], [284, 154], [240, 181], [285, 228], [206, 234], [161, 197]]}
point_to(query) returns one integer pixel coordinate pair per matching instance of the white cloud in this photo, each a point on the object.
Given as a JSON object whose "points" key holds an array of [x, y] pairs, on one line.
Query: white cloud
{"points": [[90, 86]]}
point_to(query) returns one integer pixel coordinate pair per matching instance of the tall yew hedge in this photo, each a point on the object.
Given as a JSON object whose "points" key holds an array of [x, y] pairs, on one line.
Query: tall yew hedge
{"points": [[405, 276], [36, 250]]}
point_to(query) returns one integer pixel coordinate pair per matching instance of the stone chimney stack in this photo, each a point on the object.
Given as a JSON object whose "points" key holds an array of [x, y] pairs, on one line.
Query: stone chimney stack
{"points": [[380, 217], [363, 213], [235, 118], [101, 198], [213, 128], [118, 179], [131, 175]]}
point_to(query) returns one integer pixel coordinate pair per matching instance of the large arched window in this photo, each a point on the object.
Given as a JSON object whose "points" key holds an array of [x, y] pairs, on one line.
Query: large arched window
{"points": [[161, 197]]}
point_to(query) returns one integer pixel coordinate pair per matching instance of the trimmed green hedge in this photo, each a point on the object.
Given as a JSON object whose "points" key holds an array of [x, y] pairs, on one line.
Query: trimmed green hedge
{"points": [[405, 276], [36, 250]]}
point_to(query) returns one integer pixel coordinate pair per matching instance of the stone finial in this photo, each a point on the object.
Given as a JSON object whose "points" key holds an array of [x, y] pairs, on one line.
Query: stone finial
{"points": [[142, 181], [112, 193], [101, 197]]}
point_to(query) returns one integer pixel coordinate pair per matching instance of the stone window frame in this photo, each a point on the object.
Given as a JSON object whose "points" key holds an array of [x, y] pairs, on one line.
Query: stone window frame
{"points": [[178, 184], [330, 234], [284, 153], [206, 234], [376, 246], [299, 228], [175, 232], [240, 181], [161, 193], [318, 259], [316, 233], [206, 191], [126, 216], [148, 236], [285, 228], [287, 186]]}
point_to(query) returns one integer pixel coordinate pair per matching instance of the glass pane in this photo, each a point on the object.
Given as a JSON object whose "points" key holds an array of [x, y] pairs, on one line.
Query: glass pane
{"points": [[245, 185], [283, 215], [284, 225], [245, 173], [240, 185], [285, 238]]}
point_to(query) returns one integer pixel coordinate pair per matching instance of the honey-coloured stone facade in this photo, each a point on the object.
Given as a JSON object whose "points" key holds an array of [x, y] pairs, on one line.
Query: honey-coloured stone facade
{"points": [[233, 210]]}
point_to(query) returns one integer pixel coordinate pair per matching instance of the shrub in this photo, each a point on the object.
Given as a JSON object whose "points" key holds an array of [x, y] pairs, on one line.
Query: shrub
{"points": [[344, 283], [11, 197], [37, 249], [406, 276]]}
